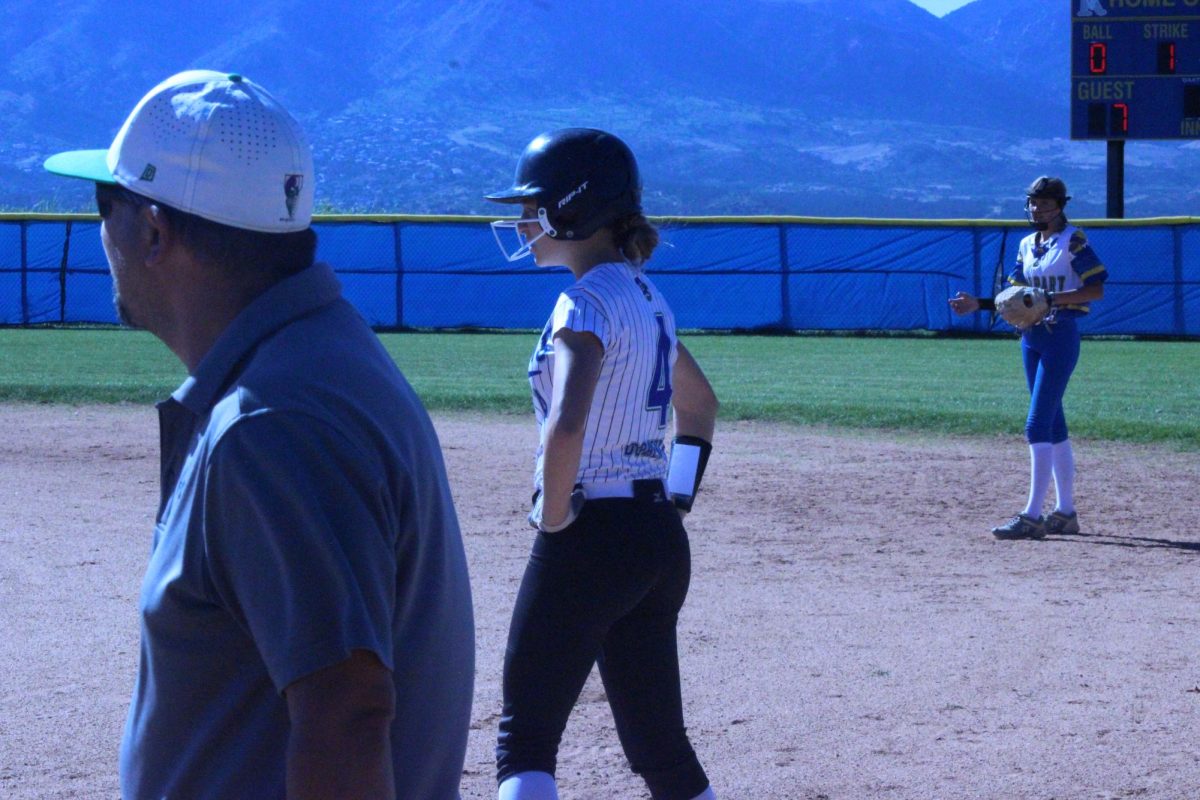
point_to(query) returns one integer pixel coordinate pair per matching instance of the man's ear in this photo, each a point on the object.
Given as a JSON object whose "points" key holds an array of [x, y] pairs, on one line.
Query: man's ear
{"points": [[158, 237]]}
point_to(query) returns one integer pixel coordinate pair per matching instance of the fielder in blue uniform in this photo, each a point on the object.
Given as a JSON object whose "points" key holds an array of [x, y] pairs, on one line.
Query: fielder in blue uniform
{"points": [[1056, 257], [610, 564]]}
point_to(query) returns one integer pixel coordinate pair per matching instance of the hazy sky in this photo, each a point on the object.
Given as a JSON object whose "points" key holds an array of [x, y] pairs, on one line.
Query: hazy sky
{"points": [[941, 7]]}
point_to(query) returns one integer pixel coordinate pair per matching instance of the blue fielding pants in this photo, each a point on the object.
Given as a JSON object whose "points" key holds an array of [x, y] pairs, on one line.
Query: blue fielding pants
{"points": [[607, 590], [1050, 354]]}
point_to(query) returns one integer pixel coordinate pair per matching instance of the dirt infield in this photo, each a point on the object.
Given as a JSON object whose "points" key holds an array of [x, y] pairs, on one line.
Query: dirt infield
{"points": [[853, 632]]}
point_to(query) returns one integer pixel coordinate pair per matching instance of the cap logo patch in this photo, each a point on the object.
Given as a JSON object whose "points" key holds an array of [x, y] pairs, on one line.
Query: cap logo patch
{"points": [[292, 185], [148, 173], [571, 195]]}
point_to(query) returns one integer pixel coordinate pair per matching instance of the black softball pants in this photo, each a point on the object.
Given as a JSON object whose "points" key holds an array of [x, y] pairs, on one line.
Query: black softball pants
{"points": [[606, 590]]}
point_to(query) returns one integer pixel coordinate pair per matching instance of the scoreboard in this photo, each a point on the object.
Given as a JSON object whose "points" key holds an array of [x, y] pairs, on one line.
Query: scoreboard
{"points": [[1135, 69]]}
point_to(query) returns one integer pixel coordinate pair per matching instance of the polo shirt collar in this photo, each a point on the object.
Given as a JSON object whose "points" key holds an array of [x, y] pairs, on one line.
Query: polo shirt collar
{"points": [[286, 301]]}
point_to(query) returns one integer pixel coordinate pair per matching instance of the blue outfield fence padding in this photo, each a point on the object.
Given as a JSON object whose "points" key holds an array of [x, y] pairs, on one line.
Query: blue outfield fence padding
{"points": [[720, 273]]}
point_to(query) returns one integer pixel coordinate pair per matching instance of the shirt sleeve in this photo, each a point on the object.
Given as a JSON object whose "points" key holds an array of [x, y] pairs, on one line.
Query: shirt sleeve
{"points": [[1017, 276], [298, 543], [577, 311], [1085, 262]]}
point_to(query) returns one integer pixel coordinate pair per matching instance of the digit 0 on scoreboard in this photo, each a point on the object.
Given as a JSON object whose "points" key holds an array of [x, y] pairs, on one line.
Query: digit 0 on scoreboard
{"points": [[1135, 69]]}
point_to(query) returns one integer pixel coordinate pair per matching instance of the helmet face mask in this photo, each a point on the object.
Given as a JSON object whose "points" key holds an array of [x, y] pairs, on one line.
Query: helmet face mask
{"points": [[579, 179], [515, 245]]}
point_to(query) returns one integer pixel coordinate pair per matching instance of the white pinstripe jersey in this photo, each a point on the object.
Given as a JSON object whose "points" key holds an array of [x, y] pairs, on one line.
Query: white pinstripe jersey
{"points": [[623, 438]]}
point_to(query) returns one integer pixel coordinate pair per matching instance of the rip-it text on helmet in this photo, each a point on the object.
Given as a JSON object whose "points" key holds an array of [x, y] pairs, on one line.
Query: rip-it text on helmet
{"points": [[571, 195]]}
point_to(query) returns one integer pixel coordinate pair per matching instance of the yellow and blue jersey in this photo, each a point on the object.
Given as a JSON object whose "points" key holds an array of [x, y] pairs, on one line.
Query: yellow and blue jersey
{"points": [[1058, 262]]}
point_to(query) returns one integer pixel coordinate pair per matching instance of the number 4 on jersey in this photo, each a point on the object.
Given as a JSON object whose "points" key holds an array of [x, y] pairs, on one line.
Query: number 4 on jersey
{"points": [[659, 396]]}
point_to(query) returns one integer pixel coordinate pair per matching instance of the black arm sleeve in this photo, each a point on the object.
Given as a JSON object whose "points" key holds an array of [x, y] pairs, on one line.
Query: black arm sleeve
{"points": [[684, 501]]}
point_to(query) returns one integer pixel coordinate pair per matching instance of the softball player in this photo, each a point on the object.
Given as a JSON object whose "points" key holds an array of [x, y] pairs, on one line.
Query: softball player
{"points": [[1057, 258], [610, 564]]}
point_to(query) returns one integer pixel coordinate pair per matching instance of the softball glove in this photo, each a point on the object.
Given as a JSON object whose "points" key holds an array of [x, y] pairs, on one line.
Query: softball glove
{"points": [[1023, 306]]}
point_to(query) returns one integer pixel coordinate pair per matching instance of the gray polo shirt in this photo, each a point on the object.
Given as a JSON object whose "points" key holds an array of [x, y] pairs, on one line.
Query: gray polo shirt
{"points": [[305, 513]]}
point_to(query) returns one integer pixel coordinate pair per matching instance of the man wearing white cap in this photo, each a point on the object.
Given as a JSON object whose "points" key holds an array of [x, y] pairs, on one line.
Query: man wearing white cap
{"points": [[306, 615]]}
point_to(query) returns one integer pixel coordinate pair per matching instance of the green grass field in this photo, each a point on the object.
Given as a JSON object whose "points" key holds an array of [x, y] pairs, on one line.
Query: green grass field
{"points": [[1140, 391]]}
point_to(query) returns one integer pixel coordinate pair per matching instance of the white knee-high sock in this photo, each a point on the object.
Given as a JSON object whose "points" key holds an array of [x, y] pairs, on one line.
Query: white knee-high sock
{"points": [[528, 786], [707, 794], [1064, 477], [1041, 458]]}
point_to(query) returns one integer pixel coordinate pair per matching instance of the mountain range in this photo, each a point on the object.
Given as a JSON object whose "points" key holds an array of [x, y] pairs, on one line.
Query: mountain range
{"points": [[802, 107]]}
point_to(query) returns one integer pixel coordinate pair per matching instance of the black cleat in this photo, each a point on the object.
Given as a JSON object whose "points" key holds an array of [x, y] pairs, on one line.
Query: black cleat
{"points": [[1021, 527], [1059, 523]]}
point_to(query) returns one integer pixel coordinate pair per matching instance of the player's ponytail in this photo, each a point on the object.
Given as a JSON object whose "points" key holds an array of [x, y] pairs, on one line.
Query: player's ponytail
{"points": [[635, 237]]}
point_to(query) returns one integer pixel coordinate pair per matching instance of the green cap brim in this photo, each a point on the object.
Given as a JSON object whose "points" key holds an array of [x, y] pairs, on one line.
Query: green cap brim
{"points": [[91, 165]]}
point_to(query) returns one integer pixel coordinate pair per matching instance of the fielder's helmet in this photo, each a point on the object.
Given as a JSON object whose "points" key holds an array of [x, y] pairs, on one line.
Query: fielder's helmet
{"points": [[1045, 186], [581, 178]]}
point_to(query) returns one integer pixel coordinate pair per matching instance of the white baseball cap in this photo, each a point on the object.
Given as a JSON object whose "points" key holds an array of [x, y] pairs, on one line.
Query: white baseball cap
{"points": [[212, 144]]}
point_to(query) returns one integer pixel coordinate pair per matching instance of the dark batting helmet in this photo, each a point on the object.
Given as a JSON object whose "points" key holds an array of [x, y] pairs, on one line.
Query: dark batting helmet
{"points": [[581, 179], [1045, 186]]}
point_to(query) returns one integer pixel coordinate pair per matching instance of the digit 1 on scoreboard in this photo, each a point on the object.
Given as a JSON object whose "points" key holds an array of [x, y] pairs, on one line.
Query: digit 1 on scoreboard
{"points": [[1166, 58]]}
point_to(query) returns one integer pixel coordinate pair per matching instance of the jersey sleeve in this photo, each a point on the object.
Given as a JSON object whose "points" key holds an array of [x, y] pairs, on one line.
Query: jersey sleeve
{"points": [[578, 311], [1017, 276], [298, 544], [1085, 262]]}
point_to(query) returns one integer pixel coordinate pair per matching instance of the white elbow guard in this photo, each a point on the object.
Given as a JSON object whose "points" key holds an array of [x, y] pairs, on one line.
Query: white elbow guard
{"points": [[689, 457]]}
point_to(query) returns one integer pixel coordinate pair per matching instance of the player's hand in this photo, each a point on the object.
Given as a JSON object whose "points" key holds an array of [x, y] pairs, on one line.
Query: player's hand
{"points": [[964, 303], [538, 521]]}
